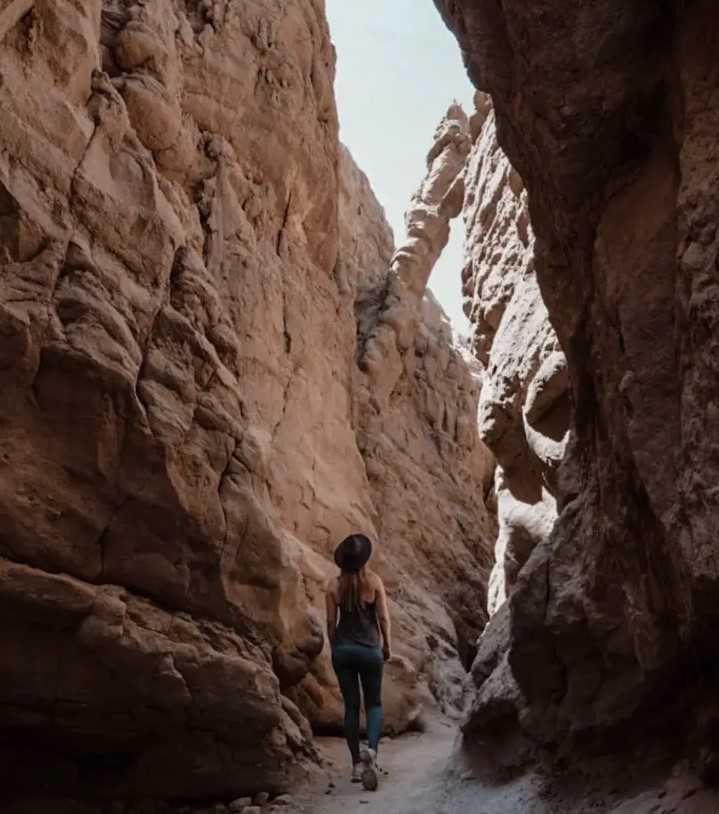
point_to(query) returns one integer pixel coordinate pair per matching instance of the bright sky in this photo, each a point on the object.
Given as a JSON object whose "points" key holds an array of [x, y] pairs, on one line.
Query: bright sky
{"points": [[398, 70]]}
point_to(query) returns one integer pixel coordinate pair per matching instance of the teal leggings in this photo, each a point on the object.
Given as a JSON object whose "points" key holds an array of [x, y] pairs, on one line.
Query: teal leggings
{"points": [[355, 663]]}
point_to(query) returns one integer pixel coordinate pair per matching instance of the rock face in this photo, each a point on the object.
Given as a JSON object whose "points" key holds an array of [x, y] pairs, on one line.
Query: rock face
{"points": [[159, 218], [439, 199], [185, 433], [415, 402], [609, 114], [415, 378], [524, 410]]}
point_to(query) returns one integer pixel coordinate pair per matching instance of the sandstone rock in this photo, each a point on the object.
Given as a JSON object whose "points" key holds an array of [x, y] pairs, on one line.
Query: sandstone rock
{"points": [[128, 406], [524, 410], [430, 517], [239, 805], [185, 431], [419, 413], [261, 799], [618, 173], [493, 645], [392, 329]]}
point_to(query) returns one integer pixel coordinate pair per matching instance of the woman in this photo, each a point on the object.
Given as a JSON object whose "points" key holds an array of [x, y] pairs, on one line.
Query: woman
{"points": [[360, 643]]}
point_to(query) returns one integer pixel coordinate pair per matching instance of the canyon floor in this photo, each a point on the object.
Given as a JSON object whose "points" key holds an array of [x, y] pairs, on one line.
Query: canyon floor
{"points": [[417, 781], [420, 777]]}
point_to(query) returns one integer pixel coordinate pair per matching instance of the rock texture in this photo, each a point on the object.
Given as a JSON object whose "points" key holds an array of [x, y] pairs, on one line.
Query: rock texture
{"points": [[169, 186], [184, 431], [439, 198], [414, 414], [609, 114], [415, 378], [524, 411]]}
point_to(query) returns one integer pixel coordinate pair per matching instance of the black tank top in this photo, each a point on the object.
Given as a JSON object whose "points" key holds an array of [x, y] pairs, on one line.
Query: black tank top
{"points": [[359, 626]]}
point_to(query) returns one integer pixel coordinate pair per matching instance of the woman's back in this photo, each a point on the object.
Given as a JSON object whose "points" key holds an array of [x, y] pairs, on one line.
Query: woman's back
{"points": [[358, 628], [359, 624]]}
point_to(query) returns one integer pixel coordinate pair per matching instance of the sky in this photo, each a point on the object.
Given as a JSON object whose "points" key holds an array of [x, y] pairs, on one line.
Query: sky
{"points": [[398, 70]]}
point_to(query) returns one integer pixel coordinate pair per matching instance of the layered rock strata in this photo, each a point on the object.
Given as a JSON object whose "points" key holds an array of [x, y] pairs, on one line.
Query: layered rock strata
{"points": [[608, 113], [185, 434]]}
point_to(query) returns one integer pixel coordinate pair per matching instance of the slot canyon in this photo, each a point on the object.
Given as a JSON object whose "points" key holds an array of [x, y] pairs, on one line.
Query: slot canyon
{"points": [[217, 361]]}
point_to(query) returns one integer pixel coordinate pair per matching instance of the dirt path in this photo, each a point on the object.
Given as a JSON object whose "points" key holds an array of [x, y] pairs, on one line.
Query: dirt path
{"points": [[417, 779]]}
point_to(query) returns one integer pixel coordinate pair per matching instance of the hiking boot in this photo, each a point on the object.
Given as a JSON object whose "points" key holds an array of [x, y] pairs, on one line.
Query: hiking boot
{"points": [[357, 770], [370, 777]]}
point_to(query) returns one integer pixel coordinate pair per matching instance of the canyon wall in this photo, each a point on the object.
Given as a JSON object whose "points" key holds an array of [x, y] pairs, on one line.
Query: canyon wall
{"points": [[524, 410], [414, 407], [192, 274], [609, 114], [415, 379]]}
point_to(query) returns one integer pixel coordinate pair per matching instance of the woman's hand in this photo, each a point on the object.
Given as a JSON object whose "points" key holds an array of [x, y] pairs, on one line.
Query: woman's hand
{"points": [[386, 653]]}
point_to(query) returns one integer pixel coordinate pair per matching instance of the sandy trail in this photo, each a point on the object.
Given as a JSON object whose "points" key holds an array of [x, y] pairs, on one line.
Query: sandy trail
{"points": [[419, 780]]}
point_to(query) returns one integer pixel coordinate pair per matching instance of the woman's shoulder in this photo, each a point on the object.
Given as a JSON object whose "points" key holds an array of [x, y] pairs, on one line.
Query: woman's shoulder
{"points": [[332, 585], [375, 581]]}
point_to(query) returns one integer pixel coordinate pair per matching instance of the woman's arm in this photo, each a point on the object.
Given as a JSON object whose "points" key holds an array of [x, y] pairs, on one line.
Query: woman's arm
{"points": [[383, 619], [331, 605]]}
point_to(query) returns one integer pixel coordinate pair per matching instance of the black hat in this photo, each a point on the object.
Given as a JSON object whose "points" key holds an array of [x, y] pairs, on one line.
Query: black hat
{"points": [[353, 552]]}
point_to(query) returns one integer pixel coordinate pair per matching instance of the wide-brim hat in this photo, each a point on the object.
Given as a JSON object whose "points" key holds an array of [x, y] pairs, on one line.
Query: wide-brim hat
{"points": [[353, 552]]}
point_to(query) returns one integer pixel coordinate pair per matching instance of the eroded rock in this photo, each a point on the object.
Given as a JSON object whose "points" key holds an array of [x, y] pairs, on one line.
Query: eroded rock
{"points": [[524, 410], [185, 431], [606, 117], [414, 411]]}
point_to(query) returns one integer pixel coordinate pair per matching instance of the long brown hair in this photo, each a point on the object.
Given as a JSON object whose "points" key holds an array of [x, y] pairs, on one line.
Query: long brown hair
{"points": [[350, 589]]}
